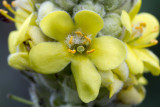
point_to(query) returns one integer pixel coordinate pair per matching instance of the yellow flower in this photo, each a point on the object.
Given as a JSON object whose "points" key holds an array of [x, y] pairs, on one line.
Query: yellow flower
{"points": [[133, 92], [141, 33], [76, 44], [114, 79]]}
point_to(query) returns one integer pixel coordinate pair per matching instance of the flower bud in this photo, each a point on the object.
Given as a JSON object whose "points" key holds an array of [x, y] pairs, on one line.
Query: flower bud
{"points": [[45, 8], [112, 25], [117, 5], [89, 5]]}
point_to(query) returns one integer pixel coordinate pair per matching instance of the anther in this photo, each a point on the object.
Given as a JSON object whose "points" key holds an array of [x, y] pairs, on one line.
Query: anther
{"points": [[143, 24], [154, 42], [88, 39], [91, 51], [139, 28], [5, 4], [13, 4], [71, 51], [71, 40], [79, 33]]}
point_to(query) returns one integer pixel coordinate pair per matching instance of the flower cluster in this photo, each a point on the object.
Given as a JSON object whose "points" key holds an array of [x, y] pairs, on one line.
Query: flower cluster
{"points": [[104, 46]]}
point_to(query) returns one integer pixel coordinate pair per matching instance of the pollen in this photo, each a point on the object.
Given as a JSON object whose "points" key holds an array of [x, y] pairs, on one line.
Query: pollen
{"points": [[140, 28], [13, 4], [90, 51], [143, 24], [79, 33], [5, 4], [71, 51], [71, 40], [155, 42], [87, 38]]}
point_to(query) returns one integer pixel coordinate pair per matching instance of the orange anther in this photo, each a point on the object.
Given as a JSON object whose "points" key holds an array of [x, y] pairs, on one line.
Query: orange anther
{"points": [[79, 33], [71, 40], [91, 51], [154, 42], [87, 38], [13, 4], [71, 51], [143, 24], [139, 28], [5, 4]]}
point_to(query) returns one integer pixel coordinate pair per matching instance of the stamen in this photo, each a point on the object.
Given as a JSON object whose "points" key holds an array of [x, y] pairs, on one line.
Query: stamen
{"points": [[91, 51], [71, 51], [139, 28], [8, 6], [13, 4], [79, 33], [71, 40], [5, 14], [87, 38], [143, 24], [152, 43]]}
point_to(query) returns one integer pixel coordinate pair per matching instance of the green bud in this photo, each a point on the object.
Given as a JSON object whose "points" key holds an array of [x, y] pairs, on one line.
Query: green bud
{"points": [[45, 8], [89, 5], [66, 4], [112, 25], [116, 6]]}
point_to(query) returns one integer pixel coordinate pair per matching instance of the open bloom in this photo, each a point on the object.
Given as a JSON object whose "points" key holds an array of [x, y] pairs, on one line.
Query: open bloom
{"points": [[76, 44], [141, 33], [25, 37]]}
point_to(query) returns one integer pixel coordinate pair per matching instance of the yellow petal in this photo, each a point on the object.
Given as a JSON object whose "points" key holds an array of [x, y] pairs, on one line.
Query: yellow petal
{"points": [[142, 81], [132, 96], [87, 78], [49, 58], [88, 22], [135, 9], [109, 53], [107, 77], [152, 27], [134, 63], [150, 60], [122, 71], [57, 25], [11, 41], [36, 35], [126, 22], [22, 32], [22, 16], [115, 87], [19, 61]]}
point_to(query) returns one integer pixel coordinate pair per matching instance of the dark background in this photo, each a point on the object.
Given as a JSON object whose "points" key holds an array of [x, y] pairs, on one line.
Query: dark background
{"points": [[12, 82]]}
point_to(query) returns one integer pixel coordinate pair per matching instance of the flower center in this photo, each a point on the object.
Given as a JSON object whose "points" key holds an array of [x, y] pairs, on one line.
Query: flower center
{"points": [[78, 42], [138, 29]]}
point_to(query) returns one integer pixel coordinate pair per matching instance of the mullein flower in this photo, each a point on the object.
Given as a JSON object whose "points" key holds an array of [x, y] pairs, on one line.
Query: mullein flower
{"points": [[133, 92], [141, 33], [76, 44], [25, 37]]}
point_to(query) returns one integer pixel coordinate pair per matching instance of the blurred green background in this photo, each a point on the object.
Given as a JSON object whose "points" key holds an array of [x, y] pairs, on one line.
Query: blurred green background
{"points": [[12, 82]]}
